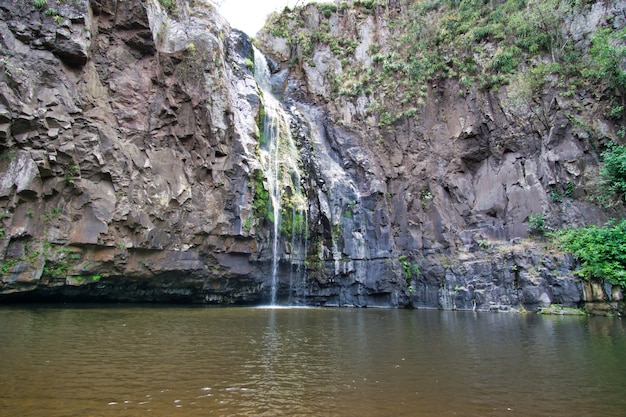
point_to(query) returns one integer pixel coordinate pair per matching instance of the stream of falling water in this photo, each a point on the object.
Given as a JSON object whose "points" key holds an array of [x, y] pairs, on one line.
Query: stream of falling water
{"points": [[280, 160]]}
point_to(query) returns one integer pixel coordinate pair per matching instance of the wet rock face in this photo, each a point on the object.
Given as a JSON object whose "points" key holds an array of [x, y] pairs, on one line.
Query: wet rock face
{"points": [[129, 171]]}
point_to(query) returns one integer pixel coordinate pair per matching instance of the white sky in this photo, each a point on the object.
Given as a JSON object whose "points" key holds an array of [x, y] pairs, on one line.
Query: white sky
{"points": [[249, 15]]}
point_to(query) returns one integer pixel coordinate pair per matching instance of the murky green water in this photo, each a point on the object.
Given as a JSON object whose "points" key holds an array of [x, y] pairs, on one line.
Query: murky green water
{"points": [[136, 361]]}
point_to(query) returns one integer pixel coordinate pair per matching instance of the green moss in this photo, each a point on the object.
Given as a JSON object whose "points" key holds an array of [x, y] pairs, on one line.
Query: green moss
{"points": [[249, 63], [293, 223], [7, 265], [260, 122], [261, 199], [169, 5]]}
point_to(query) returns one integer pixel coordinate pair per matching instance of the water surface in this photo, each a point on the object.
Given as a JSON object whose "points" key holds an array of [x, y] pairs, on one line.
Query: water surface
{"points": [[184, 361]]}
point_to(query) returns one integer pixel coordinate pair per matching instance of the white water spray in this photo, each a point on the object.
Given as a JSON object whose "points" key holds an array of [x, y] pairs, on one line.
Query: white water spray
{"points": [[280, 160]]}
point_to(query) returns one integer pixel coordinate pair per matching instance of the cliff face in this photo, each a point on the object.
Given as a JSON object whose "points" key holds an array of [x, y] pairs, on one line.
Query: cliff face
{"points": [[466, 154], [128, 138], [132, 164]]}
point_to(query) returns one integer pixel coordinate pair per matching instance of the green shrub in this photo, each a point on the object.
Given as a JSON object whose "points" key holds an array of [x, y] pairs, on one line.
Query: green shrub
{"points": [[168, 4], [327, 9], [249, 63], [40, 4], [613, 174], [600, 250], [536, 224], [607, 53], [7, 265], [408, 269]]}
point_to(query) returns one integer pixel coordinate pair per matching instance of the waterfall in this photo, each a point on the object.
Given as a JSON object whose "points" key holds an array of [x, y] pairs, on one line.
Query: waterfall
{"points": [[280, 159]]}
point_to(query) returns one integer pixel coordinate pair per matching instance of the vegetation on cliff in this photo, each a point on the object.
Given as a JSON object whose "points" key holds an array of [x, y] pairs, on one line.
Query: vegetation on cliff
{"points": [[528, 44], [601, 251], [548, 63]]}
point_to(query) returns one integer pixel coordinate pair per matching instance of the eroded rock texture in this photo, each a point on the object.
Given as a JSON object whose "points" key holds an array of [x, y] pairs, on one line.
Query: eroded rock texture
{"points": [[129, 172], [459, 171], [128, 137]]}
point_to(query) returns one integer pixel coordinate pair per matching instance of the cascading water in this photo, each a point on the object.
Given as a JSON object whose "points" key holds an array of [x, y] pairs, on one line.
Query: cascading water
{"points": [[280, 161]]}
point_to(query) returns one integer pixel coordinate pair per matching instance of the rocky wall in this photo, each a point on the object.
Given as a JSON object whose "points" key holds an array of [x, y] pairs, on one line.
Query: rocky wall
{"points": [[466, 166], [128, 137], [129, 140]]}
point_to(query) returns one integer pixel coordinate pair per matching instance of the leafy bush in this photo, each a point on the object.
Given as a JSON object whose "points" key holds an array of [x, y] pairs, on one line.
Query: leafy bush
{"points": [[327, 9], [613, 174], [607, 53], [168, 4], [601, 251], [40, 4], [536, 224]]}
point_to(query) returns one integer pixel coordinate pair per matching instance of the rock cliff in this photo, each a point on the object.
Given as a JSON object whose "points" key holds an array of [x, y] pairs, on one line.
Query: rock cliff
{"points": [[132, 162]]}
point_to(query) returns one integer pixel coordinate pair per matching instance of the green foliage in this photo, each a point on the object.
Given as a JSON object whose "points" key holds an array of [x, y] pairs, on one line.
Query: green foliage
{"points": [[368, 4], [168, 4], [601, 250], [617, 112], [7, 265], [261, 199], [507, 60], [249, 63], [260, 122], [349, 210], [293, 222], [613, 175], [247, 224], [425, 198], [536, 224], [568, 191], [56, 268], [54, 214], [607, 53], [327, 9], [409, 270], [72, 172], [521, 44], [40, 4]]}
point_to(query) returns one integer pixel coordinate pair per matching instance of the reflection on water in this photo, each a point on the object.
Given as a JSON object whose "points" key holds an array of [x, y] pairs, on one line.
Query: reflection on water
{"points": [[111, 361]]}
